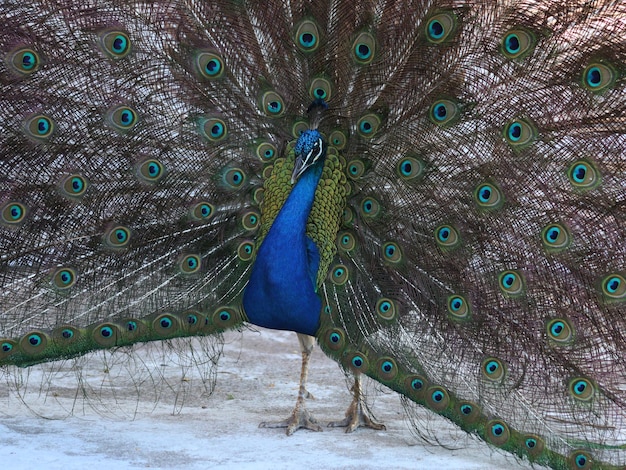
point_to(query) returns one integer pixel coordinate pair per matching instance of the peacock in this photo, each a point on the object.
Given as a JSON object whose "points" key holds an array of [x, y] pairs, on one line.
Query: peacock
{"points": [[433, 191]]}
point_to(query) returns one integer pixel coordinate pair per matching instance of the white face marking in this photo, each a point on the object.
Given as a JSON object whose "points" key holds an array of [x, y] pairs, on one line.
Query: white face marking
{"points": [[314, 154]]}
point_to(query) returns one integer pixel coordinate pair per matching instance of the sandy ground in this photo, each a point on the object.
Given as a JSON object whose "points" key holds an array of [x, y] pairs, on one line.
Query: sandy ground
{"points": [[257, 380]]}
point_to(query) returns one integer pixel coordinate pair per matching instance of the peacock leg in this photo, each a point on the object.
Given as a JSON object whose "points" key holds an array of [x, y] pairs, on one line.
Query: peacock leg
{"points": [[300, 418], [356, 414]]}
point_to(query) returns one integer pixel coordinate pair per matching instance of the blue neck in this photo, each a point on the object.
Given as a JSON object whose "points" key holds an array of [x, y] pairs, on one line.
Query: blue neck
{"points": [[281, 293]]}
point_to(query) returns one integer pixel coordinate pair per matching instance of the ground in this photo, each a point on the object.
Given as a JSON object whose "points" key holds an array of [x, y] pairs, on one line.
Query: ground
{"points": [[256, 381]]}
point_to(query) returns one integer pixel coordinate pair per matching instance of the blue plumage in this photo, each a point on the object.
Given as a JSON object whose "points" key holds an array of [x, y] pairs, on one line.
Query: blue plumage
{"points": [[282, 292]]}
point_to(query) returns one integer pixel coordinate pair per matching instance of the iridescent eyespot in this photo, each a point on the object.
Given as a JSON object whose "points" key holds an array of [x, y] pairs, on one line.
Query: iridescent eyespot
{"points": [[387, 369], [614, 287], [189, 264], [123, 118], [583, 175], [165, 325], [335, 339], [346, 241], [581, 389], [458, 307], [368, 125], [106, 335], [392, 252], [369, 207], [533, 445], [64, 278], [234, 178], [415, 386], [320, 89], [223, 315], [226, 317], [598, 77], [519, 133], [307, 36], [443, 112], [437, 398], [580, 460], [497, 432], [511, 283], [7, 348], [115, 43], [409, 168], [250, 220], [440, 27], [39, 127], [117, 237], [66, 335], [447, 237], [488, 196], [355, 169], [555, 237], [560, 331], [357, 362], [470, 412], [517, 43], [192, 321], [266, 152], [245, 250], [34, 342], [202, 211], [74, 186], [386, 309], [364, 48], [213, 129], [151, 171], [339, 274], [272, 104], [24, 61], [209, 65], [13, 213], [493, 369], [338, 140]]}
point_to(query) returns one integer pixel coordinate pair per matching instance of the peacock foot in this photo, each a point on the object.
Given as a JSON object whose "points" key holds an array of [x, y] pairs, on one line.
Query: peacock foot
{"points": [[300, 418], [356, 417]]}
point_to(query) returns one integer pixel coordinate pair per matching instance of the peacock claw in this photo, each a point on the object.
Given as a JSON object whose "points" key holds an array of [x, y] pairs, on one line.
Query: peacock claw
{"points": [[356, 414], [299, 419], [355, 418]]}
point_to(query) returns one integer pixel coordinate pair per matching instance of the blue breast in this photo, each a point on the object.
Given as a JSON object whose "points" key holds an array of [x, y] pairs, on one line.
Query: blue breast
{"points": [[281, 293]]}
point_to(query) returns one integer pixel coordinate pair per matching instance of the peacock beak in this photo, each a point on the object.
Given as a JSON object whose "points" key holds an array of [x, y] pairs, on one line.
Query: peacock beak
{"points": [[300, 167]]}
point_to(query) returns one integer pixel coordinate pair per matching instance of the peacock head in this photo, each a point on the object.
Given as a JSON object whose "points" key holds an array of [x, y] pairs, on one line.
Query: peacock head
{"points": [[310, 148]]}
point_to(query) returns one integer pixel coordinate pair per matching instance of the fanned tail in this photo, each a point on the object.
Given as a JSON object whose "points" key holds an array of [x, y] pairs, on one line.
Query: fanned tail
{"points": [[479, 265]]}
